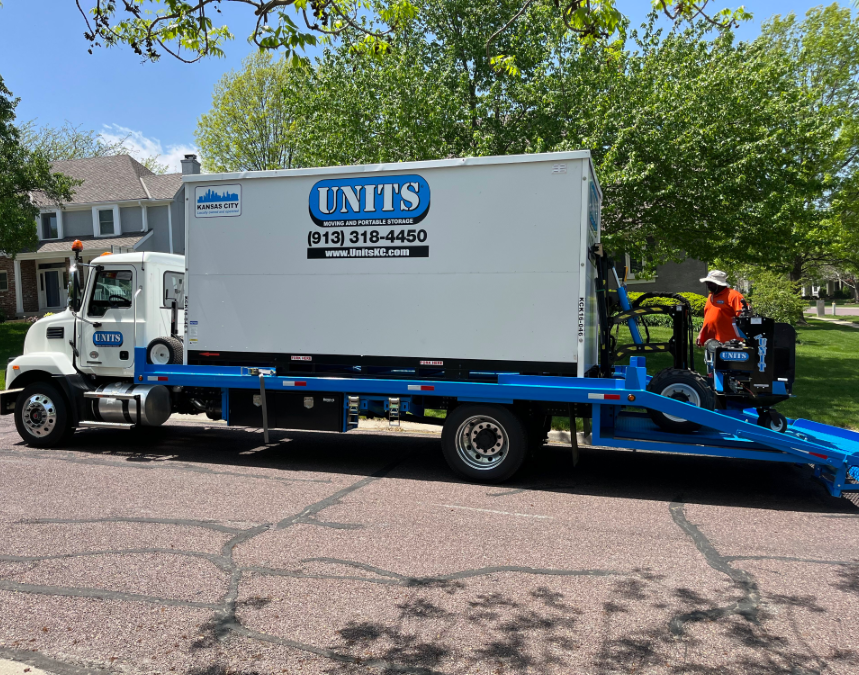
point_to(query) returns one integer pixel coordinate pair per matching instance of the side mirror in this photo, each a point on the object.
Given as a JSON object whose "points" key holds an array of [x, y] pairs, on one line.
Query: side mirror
{"points": [[75, 292]]}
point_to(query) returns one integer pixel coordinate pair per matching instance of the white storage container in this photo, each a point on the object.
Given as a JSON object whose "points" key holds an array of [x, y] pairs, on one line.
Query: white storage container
{"points": [[480, 261]]}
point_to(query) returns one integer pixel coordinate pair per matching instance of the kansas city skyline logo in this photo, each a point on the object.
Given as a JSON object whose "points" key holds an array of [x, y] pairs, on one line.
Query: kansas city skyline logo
{"points": [[370, 200], [217, 201], [107, 338]]}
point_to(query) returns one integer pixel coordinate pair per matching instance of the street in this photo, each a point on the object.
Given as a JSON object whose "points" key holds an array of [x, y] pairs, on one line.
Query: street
{"points": [[196, 549]]}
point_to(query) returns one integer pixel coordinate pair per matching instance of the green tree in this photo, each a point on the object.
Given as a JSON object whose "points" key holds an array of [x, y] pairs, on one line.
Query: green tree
{"points": [[696, 143], [254, 117], [74, 142], [22, 172], [822, 53], [696, 140], [191, 29]]}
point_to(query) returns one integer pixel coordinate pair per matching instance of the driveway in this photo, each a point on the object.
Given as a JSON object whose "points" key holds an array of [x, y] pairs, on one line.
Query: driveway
{"points": [[195, 549]]}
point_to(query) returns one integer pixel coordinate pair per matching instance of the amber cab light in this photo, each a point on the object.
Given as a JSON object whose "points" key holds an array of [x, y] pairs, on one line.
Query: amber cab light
{"points": [[77, 245]]}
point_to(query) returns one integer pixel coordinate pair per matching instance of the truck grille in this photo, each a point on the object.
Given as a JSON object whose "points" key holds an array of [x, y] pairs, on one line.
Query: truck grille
{"points": [[55, 333]]}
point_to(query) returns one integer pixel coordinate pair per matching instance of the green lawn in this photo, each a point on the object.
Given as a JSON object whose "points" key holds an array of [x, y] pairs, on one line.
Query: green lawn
{"points": [[11, 344]]}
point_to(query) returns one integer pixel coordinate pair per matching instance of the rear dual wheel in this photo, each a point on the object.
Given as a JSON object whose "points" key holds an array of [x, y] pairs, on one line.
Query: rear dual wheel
{"points": [[484, 443]]}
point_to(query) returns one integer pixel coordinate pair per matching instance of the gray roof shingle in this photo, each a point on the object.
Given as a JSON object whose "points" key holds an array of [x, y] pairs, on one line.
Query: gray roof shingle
{"points": [[64, 245], [164, 186], [112, 179]]}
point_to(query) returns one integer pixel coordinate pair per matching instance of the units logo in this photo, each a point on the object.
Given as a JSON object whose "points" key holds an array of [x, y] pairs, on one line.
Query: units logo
{"points": [[218, 201], [370, 200], [734, 356], [107, 338]]}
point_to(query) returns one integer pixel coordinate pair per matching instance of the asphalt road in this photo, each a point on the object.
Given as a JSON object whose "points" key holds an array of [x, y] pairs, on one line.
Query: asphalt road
{"points": [[194, 549]]}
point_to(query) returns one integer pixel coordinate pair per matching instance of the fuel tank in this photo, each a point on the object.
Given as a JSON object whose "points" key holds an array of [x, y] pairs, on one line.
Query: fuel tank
{"points": [[155, 406]]}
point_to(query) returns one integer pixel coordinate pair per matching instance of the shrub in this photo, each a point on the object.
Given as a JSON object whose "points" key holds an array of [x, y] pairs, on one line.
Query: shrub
{"points": [[695, 300], [777, 297]]}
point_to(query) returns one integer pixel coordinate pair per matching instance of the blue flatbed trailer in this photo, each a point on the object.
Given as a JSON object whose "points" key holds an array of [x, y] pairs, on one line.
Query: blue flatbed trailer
{"points": [[616, 404]]}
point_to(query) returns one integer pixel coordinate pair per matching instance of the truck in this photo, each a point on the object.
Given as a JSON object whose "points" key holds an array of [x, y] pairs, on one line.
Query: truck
{"points": [[308, 298]]}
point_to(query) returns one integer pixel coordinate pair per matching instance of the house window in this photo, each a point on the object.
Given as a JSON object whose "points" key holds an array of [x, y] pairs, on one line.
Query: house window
{"points": [[105, 221], [635, 270], [4, 281], [50, 225]]}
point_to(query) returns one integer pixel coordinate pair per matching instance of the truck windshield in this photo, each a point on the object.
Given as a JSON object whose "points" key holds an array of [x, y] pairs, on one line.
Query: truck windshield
{"points": [[112, 289]]}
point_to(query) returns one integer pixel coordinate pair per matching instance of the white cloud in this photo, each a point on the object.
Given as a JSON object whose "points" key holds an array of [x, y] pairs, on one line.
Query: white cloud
{"points": [[140, 147]]}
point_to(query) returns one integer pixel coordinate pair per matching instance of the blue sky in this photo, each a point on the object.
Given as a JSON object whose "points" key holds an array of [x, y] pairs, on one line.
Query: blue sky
{"points": [[44, 61]]}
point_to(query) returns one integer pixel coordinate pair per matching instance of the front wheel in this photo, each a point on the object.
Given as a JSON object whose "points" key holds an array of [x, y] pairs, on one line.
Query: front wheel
{"points": [[681, 385], [41, 416], [485, 443]]}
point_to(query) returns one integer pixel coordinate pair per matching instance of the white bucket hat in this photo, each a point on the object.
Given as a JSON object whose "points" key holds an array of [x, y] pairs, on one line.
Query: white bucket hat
{"points": [[716, 277]]}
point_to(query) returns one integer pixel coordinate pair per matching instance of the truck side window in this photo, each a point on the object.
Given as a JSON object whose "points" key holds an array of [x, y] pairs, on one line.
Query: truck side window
{"points": [[174, 289], [112, 290]]}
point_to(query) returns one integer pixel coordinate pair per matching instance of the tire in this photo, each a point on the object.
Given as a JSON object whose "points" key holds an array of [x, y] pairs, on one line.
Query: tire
{"points": [[165, 351], [467, 439], [773, 420], [683, 385], [42, 416]]}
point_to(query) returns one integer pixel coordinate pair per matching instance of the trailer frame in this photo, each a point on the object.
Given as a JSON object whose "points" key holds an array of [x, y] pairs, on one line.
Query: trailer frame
{"points": [[616, 403]]}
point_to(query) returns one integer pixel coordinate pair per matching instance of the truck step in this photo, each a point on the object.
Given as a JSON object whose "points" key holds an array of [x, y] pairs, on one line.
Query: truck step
{"points": [[106, 425]]}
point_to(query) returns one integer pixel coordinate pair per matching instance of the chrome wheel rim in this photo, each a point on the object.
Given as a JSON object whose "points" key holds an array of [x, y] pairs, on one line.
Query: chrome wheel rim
{"points": [[681, 392], [39, 415], [159, 355], [482, 443]]}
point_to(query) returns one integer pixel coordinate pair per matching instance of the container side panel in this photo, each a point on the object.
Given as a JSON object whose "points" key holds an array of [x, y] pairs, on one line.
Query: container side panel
{"points": [[479, 262]]}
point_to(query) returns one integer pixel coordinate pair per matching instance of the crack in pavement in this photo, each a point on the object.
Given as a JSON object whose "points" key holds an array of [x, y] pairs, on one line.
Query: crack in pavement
{"points": [[786, 558], [100, 594], [748, 607], [390, 578], [39, 660], [217, 560], [207, 524]]}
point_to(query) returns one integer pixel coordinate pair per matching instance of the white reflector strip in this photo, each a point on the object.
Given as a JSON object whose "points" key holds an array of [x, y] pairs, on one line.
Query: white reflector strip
{"points": [[421, 387], [292, 383]]}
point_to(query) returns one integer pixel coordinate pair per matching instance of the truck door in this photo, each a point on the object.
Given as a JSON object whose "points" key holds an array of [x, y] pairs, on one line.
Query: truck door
{"points": [[107, 335]]}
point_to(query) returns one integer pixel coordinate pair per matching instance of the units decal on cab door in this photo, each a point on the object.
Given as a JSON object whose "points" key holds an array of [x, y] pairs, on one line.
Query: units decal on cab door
{"points": [[107, 338], [215, 201], [385, 209]]}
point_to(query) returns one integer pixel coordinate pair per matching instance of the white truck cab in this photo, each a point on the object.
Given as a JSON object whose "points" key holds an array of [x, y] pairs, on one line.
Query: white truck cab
{"points": [[116, 304]]}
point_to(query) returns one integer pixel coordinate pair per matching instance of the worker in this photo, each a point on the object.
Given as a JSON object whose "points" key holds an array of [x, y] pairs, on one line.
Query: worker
{"points": [[723, 306]]}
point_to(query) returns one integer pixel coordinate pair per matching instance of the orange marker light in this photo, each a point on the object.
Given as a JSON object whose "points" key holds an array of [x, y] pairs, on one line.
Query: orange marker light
{"points": [[16, 367], [105, 253], [77, 245]]}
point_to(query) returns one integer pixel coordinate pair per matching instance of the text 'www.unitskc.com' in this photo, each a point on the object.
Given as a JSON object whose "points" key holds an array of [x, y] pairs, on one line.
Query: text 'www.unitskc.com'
{"points": [[369, 252]]}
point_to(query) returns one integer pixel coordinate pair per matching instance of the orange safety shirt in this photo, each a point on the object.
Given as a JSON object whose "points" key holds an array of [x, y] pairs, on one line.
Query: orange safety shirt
{"points": [[719, 314]]}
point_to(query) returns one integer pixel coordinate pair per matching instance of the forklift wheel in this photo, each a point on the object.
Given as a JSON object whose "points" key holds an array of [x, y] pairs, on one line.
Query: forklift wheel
{"points": [[773, 420], [164, 351], [682, 385]]}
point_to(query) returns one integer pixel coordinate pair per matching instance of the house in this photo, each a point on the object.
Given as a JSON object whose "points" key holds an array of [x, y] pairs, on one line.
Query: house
{"points": [[670, 277], [121, 206]]}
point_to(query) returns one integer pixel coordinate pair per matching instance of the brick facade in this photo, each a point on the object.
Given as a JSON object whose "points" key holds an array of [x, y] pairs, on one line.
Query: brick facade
{"points": [[7, 297], [30, 285]]}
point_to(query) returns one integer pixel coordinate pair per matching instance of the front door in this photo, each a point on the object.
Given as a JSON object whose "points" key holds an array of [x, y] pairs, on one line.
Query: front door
{"points": [[107, 335], [52, 288]]}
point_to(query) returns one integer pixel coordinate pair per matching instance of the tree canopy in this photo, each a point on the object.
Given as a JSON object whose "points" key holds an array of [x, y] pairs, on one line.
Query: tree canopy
{"points": [[74, 142], [254, 115], [22, 173], [190, 30]]}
